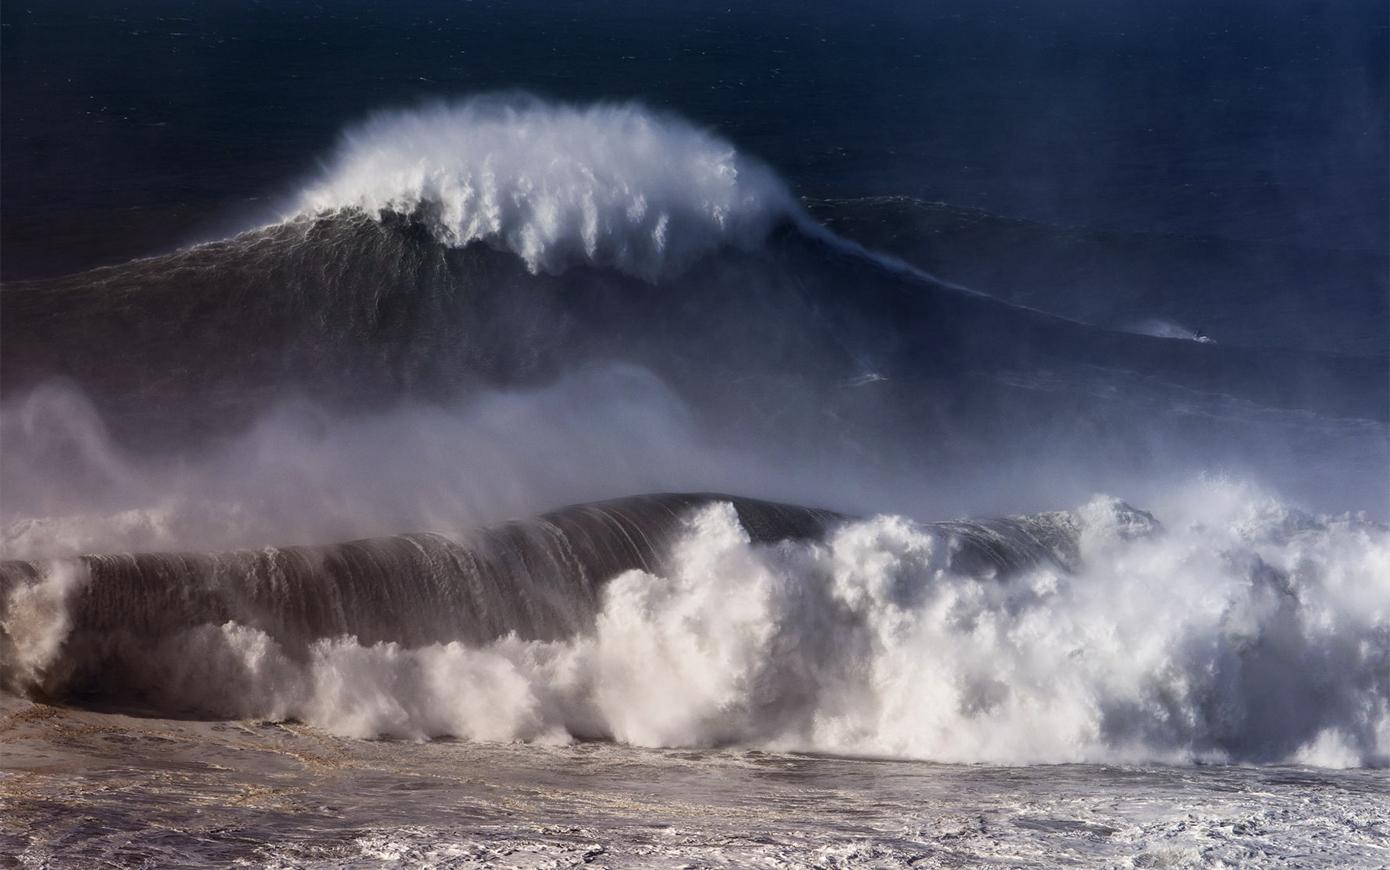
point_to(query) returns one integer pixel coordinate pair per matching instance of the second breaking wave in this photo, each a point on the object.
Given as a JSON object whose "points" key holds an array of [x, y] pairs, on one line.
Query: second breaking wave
{"points": [[1239, 630]]}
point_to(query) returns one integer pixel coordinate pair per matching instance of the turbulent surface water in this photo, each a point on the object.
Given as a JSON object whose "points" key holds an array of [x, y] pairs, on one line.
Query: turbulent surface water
{"points": [[82, 788], [258, 605]]}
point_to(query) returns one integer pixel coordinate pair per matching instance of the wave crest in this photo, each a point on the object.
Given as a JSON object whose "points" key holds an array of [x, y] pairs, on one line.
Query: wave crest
{"points": [[605, 184]]}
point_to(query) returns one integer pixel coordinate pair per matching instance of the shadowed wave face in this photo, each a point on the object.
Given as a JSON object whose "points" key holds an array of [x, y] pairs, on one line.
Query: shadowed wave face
{"points": [[358, 315]]}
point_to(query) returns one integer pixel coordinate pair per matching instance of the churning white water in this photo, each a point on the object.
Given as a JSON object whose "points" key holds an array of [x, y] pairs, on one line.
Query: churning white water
{"points": [[1239, 629], [608, 184]]}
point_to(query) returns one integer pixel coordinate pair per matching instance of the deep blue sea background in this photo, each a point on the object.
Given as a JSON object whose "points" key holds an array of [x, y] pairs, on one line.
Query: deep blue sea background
{"points": [[131, 128]]}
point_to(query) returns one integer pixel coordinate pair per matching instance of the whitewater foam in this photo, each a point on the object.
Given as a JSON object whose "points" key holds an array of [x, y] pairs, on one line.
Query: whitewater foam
{"points": [[1240, 630], [608, 184], [34, 625]]}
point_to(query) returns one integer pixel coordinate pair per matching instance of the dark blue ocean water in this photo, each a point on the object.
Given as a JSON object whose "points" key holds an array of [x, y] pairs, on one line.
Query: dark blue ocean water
{"points": [[132, 127], [1124, 264]]}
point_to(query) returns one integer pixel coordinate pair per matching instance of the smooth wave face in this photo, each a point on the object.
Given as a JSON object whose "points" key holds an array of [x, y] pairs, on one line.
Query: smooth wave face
{"points": [[1239, 630], [1232, 292], [607, 185]]}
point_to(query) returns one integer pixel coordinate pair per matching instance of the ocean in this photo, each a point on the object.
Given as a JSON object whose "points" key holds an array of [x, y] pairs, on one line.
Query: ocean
{"points": [[541, 434]]}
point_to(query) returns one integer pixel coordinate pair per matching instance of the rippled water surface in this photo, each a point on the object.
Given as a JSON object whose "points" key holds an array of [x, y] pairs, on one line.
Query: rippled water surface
{"points": [[85, 789]]}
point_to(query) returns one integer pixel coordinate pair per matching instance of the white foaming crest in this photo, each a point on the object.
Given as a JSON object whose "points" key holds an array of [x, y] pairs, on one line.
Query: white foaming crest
{"points": [[34, 623], [606, 184], [1241, 631]]}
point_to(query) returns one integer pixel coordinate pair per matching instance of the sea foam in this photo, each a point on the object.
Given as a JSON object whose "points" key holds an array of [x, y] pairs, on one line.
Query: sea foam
{"points": [[609, 184], [1239, 630]]}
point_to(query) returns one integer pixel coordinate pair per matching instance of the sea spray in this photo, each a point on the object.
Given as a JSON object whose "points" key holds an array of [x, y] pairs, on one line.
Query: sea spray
{"points": [[607, 184]]}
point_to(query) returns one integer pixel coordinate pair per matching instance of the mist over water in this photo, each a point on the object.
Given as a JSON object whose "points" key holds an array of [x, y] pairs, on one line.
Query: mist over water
{"points": [[301, 474]]}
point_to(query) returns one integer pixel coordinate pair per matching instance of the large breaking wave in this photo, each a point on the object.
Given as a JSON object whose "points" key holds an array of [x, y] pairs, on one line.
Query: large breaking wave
{"points": [[609, 184], [1237, 630]]}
